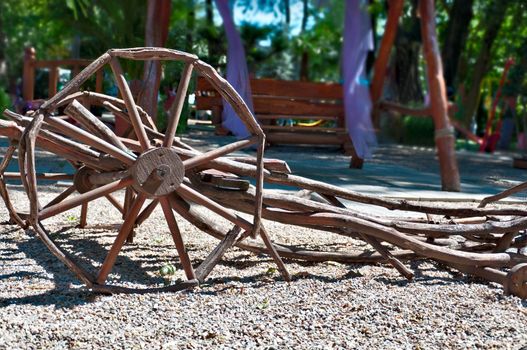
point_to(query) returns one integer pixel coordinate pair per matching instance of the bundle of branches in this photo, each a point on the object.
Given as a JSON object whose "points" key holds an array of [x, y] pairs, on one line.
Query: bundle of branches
{"points": [[486, 239]]}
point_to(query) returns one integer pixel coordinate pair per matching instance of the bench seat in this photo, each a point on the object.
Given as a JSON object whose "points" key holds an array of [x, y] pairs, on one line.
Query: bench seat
{"points": [[290, 112]]}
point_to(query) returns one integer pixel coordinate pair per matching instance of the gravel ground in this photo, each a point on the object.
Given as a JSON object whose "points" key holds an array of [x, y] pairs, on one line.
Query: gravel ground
{"points": [[244, 304]]}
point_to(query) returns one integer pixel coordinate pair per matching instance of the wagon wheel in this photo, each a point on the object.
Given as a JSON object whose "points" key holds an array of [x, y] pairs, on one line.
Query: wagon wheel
{"points": [[150, 167]]}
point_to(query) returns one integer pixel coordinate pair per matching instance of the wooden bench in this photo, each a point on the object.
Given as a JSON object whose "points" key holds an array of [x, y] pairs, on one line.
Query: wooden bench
{"points": [[316, 108], [31, 64]]}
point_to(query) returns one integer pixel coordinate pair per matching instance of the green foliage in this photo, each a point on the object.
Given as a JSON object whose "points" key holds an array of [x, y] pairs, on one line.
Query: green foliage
{"points": [[5, 102], [508, 43], [418, 131], [273, 50], [31, 23]]}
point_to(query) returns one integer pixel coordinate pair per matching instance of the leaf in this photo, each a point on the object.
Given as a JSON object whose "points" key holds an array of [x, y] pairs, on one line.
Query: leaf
{"points": [[264, 305], [72, 218], [71, 5], [271, 271]]}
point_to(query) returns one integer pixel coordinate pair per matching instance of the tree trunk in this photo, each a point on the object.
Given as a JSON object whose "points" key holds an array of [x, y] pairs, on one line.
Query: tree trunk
{"points": [[455, 38], [444, 133], [213, 48], [494, 17], [304, 59], [407, 52], [287, 12], [3, 67], [191, 24], [156, 33], [304, 66]]}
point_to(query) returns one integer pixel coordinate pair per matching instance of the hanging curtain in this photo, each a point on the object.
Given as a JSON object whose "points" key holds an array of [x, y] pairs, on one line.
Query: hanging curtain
{"points": [[237, 72], [358, 40]]}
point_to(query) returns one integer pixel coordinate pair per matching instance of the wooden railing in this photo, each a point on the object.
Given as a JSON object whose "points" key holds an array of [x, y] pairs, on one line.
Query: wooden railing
{"points": [[31, 64]]}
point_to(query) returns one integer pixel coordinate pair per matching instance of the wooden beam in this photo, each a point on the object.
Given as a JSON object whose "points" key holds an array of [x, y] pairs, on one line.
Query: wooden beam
{"points": [[444, 133], [28, 80], [156, 32], [379, 68]]}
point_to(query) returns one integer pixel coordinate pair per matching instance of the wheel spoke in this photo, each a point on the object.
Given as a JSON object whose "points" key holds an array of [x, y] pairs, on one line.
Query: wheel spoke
{"points": [[274, 254], [129, 197], [150, 128], [7, 158], [178, 240], [81, 114], [145, 214], [135, 119], [218, 152], [84, 136], [84, 215], [83, 198], [3, 188], [115, 203], [177, 107], [190, 194], [259, 188], [127, 226]]}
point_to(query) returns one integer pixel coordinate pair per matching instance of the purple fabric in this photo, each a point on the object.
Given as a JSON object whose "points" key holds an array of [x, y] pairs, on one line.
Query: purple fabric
{"points": [[358, 40], [237, 72]]}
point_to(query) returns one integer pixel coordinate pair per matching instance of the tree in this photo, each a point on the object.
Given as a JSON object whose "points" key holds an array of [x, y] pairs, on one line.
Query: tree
{"points": [[493, 19], [407, 57], [460, 16]]}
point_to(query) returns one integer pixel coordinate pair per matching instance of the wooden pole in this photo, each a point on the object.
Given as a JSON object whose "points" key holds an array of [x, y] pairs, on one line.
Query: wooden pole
{"points": [[488, 127], [53, 80], [444, 132], [156, 32], [28, 80], [379, 69]]}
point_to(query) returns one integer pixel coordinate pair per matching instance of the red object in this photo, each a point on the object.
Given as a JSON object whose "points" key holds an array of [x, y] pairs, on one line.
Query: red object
{"points": [[490, 120]]}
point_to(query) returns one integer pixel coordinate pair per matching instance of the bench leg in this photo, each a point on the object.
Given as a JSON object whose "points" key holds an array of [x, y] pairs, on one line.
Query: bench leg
{"points": [[216, 121], [347, 146], [356, 162]]}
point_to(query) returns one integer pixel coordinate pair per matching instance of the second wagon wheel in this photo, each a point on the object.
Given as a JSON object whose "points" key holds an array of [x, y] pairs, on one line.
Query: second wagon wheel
{"points": [[152, 166]]}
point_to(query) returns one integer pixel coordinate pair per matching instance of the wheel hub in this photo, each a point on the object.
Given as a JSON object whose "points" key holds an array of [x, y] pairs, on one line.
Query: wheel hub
{"points": [[81, 179], [158, 172]]}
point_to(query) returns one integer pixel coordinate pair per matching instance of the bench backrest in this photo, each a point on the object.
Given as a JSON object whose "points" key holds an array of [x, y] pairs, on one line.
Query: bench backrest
{"points": [[31, 64], [283, 99]]}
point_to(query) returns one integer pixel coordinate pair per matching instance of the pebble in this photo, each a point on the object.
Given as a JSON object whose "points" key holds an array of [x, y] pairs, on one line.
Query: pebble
{"points": [[244, 304]]}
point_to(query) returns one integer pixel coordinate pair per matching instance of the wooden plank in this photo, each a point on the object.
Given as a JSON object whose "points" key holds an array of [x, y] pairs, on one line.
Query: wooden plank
{"points": [[303, 138], [59, 63], [279, 106], [303, 129], [274, 165], [205, 268], [287, 88], [203, 84], [301, 118], [225, 181], [290, 107], [296, 89], [208, 102]]}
